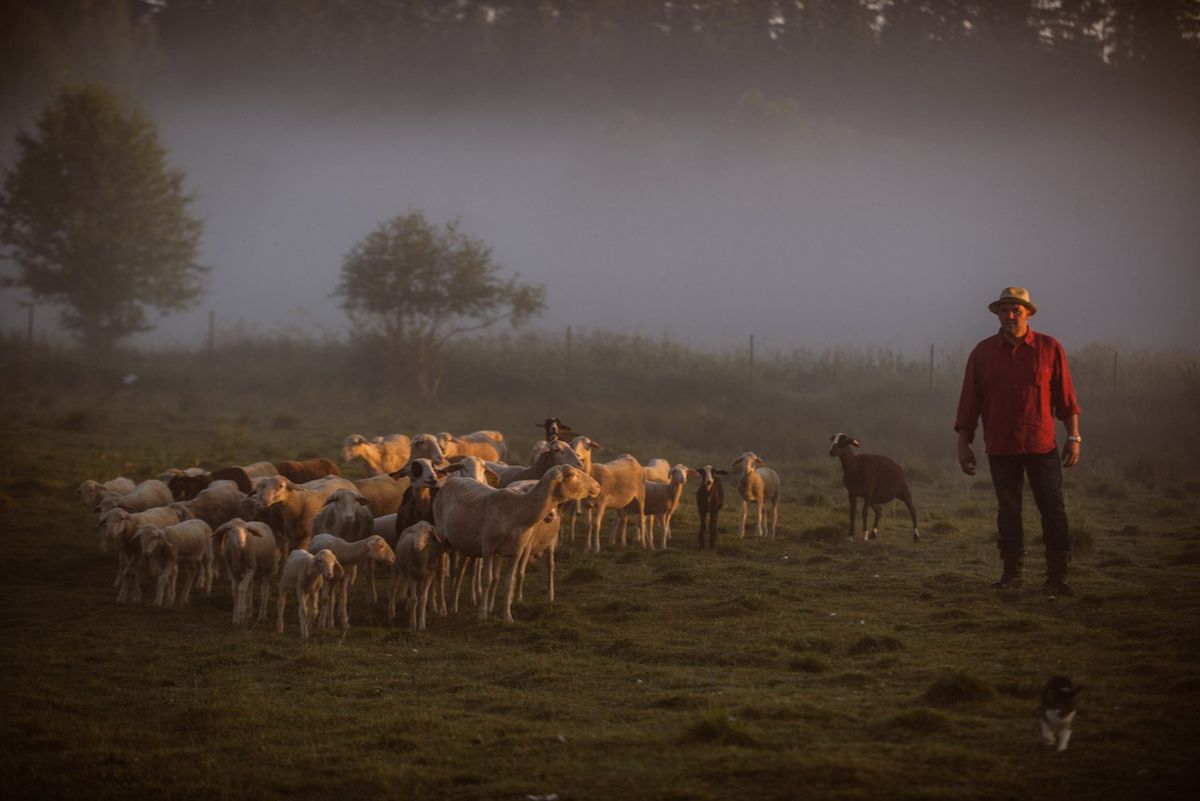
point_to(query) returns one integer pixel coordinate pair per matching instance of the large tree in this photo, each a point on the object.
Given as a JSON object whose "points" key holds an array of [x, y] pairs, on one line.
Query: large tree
{"points": [[419, 287], [96, 221]]}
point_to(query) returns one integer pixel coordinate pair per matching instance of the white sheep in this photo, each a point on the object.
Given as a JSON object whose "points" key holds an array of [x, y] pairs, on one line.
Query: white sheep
{"points": [[489, 445], [556, 453], [304, 574], [759, 485], [250, 554], [621, 484], [188, 543], [349, 554], [419, 564], [146, 495], [382, 454], [90, 492], [488, 523], [662, 499]]}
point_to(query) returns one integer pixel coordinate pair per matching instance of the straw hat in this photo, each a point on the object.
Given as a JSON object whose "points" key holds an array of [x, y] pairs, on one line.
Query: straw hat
{"points": [[1013, 294]]}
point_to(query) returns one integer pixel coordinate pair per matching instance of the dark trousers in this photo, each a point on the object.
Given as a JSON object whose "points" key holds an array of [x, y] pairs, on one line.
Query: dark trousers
{"points": [[1045, 479]]}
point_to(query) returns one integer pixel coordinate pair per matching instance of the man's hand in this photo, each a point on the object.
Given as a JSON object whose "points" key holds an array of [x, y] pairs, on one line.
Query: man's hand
{"points": [[966, 458], [1070, 454]]}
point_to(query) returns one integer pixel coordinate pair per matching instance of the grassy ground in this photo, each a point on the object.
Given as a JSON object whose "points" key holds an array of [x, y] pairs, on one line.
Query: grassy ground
{"points": [[807, 666]]}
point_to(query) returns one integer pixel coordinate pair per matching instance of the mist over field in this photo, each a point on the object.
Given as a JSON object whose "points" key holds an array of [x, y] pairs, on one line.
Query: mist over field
{"points": [[709, 233], [861, 174]]}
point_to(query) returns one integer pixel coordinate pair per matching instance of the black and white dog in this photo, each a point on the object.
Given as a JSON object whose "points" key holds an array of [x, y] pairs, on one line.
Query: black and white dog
{"points": [[1058, 710]]}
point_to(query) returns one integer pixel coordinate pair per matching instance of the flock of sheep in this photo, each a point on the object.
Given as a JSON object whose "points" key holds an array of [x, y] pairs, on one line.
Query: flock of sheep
{"points": [[437, 508]]}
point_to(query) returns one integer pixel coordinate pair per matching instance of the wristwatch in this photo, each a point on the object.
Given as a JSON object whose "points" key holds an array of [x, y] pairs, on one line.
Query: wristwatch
{"points": [[1074, 438]]}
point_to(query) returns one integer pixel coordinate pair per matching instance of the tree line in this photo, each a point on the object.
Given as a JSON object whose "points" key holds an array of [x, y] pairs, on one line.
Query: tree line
{"points": [[441, 51]]}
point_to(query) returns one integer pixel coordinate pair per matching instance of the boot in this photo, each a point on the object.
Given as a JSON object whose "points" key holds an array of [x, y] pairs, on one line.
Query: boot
{"points": [[1014, 564], [1056, 573]]}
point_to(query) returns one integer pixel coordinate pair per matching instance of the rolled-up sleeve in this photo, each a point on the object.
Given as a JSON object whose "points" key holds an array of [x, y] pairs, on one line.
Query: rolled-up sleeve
{"points": [[1062, 391]]}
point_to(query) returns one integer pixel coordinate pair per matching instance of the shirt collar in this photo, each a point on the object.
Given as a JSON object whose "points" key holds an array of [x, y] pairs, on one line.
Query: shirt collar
{"points": [[1027, 340]]}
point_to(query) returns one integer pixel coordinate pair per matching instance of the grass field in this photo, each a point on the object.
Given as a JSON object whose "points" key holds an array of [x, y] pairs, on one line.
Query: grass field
{"points": [[805, 667]]}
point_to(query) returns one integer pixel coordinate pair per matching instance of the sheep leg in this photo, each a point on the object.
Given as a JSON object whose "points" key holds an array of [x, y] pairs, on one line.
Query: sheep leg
{"points": [[461, 575], [487, 568], [508, 600], [774, 517], [877, 509], [522, 559], [280, 605], [907, 499], [264, 596], [244, 588], [344, 603], [302, 611], [393, 590], [853, 512], [745, 514], [443, 568]]}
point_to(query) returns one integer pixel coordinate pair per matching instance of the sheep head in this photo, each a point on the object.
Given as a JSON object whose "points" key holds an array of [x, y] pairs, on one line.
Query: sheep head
{"points": [[379, 550], [710, 473], [571, 484], [840, 443], [325, 563], [747, 462]]}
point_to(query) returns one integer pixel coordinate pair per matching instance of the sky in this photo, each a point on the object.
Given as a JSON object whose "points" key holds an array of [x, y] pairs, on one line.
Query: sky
{"points": [[705, 231]]}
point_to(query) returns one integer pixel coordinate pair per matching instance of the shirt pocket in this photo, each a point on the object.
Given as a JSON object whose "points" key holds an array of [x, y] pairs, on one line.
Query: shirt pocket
{"points": [[1033, 369]]}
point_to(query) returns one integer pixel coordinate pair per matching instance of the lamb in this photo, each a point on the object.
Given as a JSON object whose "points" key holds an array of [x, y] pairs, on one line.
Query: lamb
{"points": [[542, 539], [188, 542], [758, 485], [118, 525], [307, 469], [874, 478], [305, 573], [489, 445], [419, 563], [349, 555], [118, 530], [91, 492], [482, 522], [297, 504], [250, 554], [384, 493], [382, 454], [146, 495], [710, 497], [417, 503], [661, 501]]}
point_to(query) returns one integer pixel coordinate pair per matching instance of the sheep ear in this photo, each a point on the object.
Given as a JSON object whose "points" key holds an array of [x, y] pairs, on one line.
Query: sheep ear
{"points": [[595, 446], [363, 501], [854, 442], [692, 473], [403, 472]]}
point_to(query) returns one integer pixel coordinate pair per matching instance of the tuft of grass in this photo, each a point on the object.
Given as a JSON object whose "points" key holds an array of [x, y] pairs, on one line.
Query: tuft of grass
{"points": [[1081, 539], [718, 727], [677, 576], [285, 421], [1107, 488], [959, 688], [943, 527], [822, 534], [815, 499], [584, 574], [82, 421], [920, 721], [875, 645], [808, 664]]}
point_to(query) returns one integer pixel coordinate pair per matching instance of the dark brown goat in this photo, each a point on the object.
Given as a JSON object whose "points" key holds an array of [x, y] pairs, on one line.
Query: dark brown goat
{"points": [[710, 497], [874, 478]]}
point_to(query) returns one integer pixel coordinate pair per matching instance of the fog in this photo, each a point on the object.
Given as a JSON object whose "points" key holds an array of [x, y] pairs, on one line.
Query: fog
{"points": [[705, 230]]}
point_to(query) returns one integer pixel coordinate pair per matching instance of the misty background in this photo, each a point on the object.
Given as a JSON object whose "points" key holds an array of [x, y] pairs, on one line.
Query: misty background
{"points": [[702, 172]]}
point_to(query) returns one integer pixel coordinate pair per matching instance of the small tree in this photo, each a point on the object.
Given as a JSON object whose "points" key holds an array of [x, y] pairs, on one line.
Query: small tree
{"points": [[419, 287], [96, 221]]}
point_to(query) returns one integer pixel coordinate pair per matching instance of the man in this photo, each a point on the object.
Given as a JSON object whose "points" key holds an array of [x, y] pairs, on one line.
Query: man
{"points": [[1018, 382]]}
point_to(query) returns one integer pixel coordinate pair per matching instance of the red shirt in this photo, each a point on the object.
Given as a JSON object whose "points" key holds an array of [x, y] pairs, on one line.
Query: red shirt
{"points": [[1019, 391]]}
